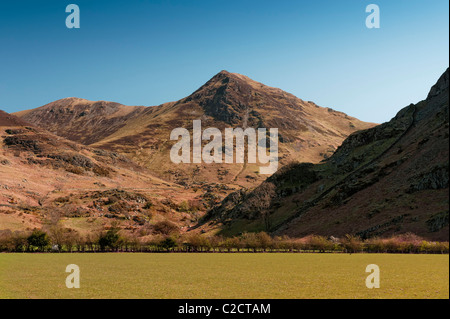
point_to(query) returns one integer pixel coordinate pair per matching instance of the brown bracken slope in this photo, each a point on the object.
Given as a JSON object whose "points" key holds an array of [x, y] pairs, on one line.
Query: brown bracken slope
{"points": [[307, 132], [386, 180], [47, 180]]}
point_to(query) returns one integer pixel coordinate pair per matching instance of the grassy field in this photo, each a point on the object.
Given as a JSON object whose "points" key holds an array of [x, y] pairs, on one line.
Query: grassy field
{"points": [[134, 275]]}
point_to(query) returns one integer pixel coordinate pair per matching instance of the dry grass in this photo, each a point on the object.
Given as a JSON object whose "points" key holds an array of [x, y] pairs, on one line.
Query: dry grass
{"points": [[223, 276]]}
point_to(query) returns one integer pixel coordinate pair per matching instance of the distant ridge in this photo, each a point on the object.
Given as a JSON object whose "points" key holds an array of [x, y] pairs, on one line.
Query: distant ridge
{"points": [[11, 120]]}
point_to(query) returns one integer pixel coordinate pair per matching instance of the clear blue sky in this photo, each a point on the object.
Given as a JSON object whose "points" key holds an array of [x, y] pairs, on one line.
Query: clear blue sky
{"points": [[150, 52]]}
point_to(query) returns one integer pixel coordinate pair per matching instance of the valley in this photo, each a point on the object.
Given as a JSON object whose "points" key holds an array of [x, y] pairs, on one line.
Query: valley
{"points": [[87, 167]]}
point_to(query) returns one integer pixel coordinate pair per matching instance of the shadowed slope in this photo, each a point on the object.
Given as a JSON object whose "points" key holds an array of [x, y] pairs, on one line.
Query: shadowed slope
{"points": [[386, 180]]}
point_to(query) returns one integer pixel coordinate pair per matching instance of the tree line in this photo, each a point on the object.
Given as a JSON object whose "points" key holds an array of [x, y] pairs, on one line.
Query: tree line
{"points": [[114, 241]]}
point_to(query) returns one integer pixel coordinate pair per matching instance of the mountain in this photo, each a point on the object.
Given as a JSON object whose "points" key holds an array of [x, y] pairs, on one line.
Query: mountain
{"points": [[45, 178], [307, 132], [80, 120], [386, 180]]}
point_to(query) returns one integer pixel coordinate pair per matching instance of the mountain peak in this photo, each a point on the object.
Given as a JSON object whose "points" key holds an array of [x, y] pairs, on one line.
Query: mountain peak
{"points": [[238, 100], [224, 72]]}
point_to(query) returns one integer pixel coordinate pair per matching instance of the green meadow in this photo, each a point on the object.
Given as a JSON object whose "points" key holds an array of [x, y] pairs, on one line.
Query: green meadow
{"points": [[238, 275]]}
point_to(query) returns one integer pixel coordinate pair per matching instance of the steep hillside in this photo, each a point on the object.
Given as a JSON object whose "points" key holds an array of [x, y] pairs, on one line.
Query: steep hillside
{"points": [[385, 180], [45, 179], [307, 132]]}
